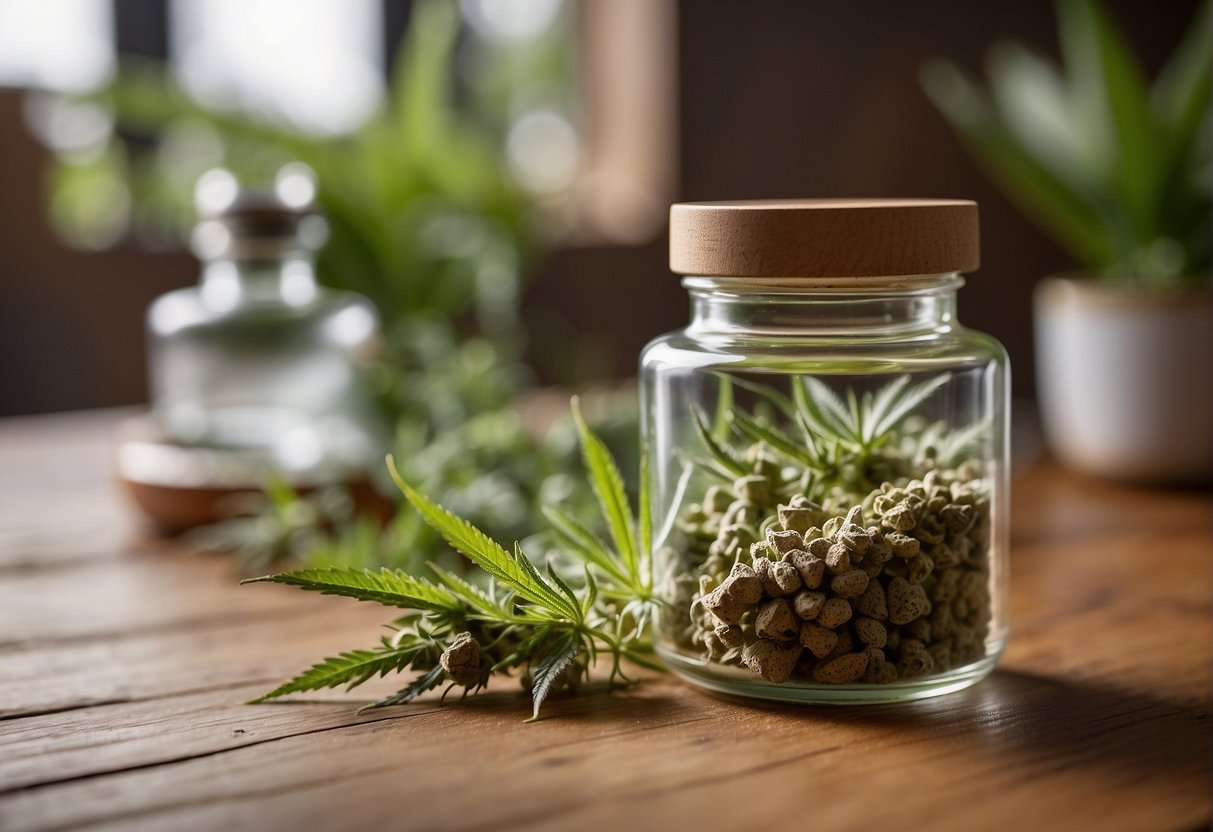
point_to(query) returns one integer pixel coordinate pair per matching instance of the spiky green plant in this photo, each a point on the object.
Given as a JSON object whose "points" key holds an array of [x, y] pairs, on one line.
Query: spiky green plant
{"points": [[833, 445], [519, 617], [1116, 170]]}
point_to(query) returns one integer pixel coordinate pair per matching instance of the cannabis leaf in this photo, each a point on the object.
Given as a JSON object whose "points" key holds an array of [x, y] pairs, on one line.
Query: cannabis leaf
{"points": [[350, 669], [947, 447], [551, 668], [861, 423], [778, 400], [829, 439], [427, 681], [803, 451], [506, 615], [607, 483], [728, 465], [586, 545], [515, 571], [392, 588]]}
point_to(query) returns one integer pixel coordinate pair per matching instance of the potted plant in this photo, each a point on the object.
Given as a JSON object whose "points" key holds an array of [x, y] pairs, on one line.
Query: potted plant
{"points": [[1117, 171]]}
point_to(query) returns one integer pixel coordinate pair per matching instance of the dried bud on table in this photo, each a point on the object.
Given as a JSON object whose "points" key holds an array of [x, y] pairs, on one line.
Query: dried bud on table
{"points": [[461, 660]]}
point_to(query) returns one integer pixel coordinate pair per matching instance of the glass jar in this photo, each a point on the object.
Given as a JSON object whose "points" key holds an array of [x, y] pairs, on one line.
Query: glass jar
{"points": [[829, 453], [257, 369]]}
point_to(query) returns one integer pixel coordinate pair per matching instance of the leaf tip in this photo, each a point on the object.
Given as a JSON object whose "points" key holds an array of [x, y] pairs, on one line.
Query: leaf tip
{"points": [[578, 417]]}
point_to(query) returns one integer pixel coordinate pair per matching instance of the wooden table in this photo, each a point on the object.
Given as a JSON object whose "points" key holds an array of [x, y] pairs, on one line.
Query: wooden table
{"points": [[124, 662]]}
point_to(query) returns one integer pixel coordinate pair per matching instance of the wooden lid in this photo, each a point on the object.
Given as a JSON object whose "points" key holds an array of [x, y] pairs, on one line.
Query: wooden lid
{"points": [[813, 238]]}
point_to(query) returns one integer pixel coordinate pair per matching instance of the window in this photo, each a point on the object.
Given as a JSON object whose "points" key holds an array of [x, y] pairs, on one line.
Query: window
{"points": [[316, 64], [59, 45]]}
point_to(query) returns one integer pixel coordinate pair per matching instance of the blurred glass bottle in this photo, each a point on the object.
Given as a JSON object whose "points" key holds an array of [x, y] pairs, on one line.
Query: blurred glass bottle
{"points": [[257, 363]]}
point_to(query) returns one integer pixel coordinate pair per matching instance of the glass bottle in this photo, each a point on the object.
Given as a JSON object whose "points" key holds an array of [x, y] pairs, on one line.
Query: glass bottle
{"points": [[829, 454], [258, 369]]}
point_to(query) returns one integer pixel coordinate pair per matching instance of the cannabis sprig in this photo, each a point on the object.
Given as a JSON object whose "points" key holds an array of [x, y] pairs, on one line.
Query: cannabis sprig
{"points": [[864, 423], [509, 614], [831, 440]]}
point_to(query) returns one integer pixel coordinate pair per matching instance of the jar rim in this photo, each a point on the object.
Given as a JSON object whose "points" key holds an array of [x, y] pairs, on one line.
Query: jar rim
{"points": [[903, 286]]}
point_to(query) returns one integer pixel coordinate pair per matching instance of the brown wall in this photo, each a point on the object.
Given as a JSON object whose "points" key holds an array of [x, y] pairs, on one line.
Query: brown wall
{"points": [[71, 323], [779, 98]]}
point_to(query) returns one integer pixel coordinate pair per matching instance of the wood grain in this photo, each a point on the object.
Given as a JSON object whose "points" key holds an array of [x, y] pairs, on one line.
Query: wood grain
{"points": [[123, 664], [824, 238]]}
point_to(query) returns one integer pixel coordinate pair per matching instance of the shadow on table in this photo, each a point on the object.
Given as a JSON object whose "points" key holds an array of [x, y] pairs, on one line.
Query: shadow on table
{"points": [[1072, 722], [1057, 723]]}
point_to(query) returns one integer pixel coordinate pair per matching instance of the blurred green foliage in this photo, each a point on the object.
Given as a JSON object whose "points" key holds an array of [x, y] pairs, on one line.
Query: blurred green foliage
{"points": [[424, 219], [1117, 170]]}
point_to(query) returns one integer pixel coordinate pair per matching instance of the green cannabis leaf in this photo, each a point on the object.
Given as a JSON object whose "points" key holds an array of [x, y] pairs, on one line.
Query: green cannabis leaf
{"points": [[835, 444], [351, 669], [509, 615], [387, 587], [863, 423]]}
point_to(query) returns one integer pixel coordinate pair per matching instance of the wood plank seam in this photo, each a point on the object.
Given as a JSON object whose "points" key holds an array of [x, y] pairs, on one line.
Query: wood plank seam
{"points": [[205, 754], [100, 703]]}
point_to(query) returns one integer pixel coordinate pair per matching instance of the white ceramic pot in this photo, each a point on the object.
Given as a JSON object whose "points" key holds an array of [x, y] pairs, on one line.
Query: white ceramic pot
{"points": [[1125, 379]]}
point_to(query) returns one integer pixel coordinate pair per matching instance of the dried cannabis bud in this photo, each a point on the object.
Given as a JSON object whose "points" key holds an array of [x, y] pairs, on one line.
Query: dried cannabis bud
{"points": [[461, 660], [903, 597], [883, 575]]}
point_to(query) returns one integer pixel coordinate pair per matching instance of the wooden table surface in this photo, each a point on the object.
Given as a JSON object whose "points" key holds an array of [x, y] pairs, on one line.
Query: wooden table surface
{"points": [[124, 662]]}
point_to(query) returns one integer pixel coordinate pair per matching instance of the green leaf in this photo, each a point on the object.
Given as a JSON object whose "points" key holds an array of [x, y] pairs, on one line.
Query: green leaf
{"points": [[889, 410], [857, 413], [608, 487], [781, 402], [567, 590], [429, 680], [351, 669], [585, 544], [389, 587], [516, 572], [776, 439], [823, 427], [528, 646], [551, 667], [815, 448], [1106, 75], [1180, 95], [591, 594], [885, 399], [1180, 99], [561, 603], [280, 492], [709, 466], [473, 595], [644, 577], [815, 398], [952, 446], [720, 454], [724, 406], [1034, 102], [420, 79], [1044, 198]]}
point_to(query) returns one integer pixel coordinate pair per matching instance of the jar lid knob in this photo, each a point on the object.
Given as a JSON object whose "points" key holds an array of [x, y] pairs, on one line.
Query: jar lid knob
{"points": [[256, 223]]}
